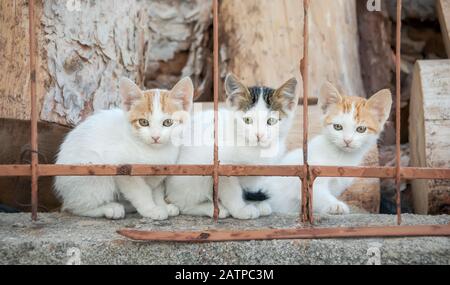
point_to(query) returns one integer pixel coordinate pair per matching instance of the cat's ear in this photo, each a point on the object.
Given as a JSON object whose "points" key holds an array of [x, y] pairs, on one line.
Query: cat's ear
{"points": [[286, 95], [183, 94], [329, 95], [129, 92], [238, 95], [380, 105]]}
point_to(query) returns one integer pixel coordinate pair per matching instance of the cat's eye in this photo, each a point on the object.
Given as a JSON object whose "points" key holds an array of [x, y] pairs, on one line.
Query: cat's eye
{"points": [[361, 130], [248, 120], [168, 123], [338, 127], [272, 121], [144, 123]]}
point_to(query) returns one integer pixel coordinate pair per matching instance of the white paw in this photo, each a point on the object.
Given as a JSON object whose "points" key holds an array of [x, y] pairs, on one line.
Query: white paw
{"points": [[172, 210], [246, 213], [155, 213], [223, 213], [114, 211], [264, 209], [337, 208]]}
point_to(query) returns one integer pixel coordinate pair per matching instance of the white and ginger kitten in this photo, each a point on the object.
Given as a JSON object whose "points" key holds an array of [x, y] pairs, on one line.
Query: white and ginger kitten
{"points": [[252, 130], [350, 128], [141, 132]]}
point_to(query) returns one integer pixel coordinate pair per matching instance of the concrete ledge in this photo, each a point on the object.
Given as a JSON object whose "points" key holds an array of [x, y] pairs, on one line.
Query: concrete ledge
{"points": [[60, 238]]}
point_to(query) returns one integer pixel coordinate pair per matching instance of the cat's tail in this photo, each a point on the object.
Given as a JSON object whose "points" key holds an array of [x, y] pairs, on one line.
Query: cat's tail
{"points": [[258, 196]]}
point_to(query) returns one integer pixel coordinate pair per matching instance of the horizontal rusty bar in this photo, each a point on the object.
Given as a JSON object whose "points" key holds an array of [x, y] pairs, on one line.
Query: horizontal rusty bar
{"points": [[155, 170], [298, 233], [224, 170], [311, 101], [15, 170], [124, 170], [362, 171], [261, 170], [381, 172], [149, 170], [106, 170], [424, 173]]}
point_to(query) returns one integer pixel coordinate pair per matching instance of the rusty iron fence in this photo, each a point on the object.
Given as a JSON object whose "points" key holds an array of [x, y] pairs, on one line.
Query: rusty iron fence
{"points": [[307, 173]]}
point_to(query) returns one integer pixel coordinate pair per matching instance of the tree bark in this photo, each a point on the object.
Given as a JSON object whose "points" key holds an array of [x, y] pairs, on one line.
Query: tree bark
{"points": [[85, 46]]}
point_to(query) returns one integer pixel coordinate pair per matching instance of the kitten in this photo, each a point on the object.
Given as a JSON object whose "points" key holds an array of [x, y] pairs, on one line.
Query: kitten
{"points": [[351, 126], [252, 130], [139, 133]]}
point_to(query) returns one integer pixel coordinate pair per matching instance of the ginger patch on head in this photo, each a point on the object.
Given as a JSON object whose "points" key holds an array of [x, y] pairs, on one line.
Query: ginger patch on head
{"points": [[357, 107], [372, 113], [140, 105], [152, 101]]}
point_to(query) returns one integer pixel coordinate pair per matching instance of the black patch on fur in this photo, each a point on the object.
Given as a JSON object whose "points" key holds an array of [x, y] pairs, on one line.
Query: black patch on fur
{"points": [[258, 196], [256, 92]]}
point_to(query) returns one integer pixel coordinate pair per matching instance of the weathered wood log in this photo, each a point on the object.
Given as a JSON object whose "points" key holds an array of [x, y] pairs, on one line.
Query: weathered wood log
{"points": [[334, 47], [375, 49], [430, 132], [84, 47], [262, 42], [14, 58], [443, 11]]}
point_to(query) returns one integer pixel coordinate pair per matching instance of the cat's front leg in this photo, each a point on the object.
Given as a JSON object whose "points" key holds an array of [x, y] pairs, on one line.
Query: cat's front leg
{"points": [[231, 196], [159, 197], [324, 202], [139, 193]]}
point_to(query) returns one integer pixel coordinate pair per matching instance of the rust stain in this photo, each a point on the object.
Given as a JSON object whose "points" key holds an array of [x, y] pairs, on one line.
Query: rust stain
{"points": [[203, 236], [124, 170]]}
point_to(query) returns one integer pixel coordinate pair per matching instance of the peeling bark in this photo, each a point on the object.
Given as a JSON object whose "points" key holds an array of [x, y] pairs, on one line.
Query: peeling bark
{"points": [[85, 46]]}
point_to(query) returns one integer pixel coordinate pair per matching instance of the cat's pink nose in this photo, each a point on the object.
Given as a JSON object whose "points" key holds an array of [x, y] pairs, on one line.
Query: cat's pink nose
{"points": [[259, 136], [348, 142], [156, 139]]}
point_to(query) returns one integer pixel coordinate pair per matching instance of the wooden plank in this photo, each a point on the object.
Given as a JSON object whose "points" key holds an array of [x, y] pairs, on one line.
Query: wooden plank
{"points": [[262, 39], [443, 11], [429, 132]]}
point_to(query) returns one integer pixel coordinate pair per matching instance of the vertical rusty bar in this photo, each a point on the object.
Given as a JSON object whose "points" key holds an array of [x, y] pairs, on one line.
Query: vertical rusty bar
{"points": [[216, 107], [33, 102], [397, 109], [306, 213]]}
